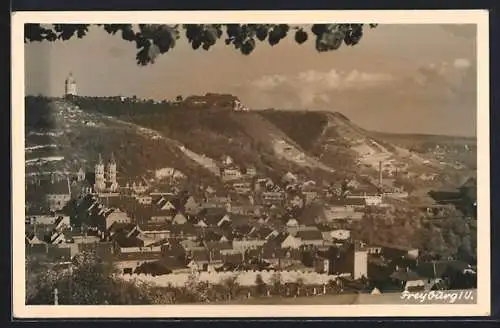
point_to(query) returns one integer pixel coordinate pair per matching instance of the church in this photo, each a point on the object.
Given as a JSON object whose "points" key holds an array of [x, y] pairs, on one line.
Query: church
{"points": [[105, 176]]}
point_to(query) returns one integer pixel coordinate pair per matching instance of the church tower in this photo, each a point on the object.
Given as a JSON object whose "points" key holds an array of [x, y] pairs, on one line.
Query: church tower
{"points": [[70, 86], [100, 182], [112, 173]]}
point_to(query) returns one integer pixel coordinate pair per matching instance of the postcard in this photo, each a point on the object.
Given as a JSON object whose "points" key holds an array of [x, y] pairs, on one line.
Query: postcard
{"points": [[250, 164]]}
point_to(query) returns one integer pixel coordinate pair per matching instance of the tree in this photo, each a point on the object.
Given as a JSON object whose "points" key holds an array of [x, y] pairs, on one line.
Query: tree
{"points": [[260, 284], [152, 40], [87, 281], [276, 283], [231, 287]]}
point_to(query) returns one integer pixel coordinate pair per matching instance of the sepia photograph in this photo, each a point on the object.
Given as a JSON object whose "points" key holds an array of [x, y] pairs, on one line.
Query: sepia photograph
{"points": [[233, 164]]}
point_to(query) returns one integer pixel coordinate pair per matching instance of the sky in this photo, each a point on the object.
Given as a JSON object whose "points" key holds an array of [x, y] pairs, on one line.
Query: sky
{"points": [[400, 78]]}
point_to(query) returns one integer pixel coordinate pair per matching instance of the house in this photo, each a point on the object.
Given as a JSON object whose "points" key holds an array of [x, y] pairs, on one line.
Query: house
{"points": [[242, 231], [351, 258], [370, 199], [191, 206], [246, 209], [204, 260], [242, 187], [290, 178], [264, 233], [166, 203], [154, 231], [144, 199], [337, 235], [41, 219], [344, 209], [127, 263], [119, 228], [184, 231], [62, 222], [115, 216], [58, 194], [408, 280], [230, 173], [273, 196], [292, 223], [398, 251], [310, 196], [226, 160], [280, 258], [38, 234], [253, 238], [223, 247], [244, 244], [215, 202], [293, 230], [250, 171], [310, 237], [189, 244], [165, 265], [179, 219], [213, 216], [232, 262], [161, 218], [285, 240], [201, 224], [212, 236]]}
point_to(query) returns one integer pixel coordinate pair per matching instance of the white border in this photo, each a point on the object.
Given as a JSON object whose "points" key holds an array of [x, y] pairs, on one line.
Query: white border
{"points": [[479, 17]]}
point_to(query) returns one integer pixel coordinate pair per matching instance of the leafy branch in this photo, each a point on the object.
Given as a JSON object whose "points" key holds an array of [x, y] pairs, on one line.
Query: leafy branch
{"points": [[152, 40]]}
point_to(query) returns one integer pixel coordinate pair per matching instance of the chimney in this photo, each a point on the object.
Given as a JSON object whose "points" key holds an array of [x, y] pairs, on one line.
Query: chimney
{"points": [[380, 174]]}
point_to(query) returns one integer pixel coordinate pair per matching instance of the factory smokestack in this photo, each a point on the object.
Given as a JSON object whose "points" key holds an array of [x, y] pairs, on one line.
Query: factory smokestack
{"points": [[380, 174]]}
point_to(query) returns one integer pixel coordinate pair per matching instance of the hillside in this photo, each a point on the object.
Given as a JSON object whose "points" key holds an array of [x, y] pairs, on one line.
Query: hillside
{"points": [[62, 137], [351, 150], [245, 136], [148, 136]]}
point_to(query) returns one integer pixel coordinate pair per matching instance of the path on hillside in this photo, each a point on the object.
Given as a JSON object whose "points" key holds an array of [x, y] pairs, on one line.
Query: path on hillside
{"points": [[202, 160], [283, 146]]}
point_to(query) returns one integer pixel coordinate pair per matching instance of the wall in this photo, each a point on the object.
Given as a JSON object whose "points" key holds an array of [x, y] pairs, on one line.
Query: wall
{"points": [[360, 264], [244, 278], [140, 249]]}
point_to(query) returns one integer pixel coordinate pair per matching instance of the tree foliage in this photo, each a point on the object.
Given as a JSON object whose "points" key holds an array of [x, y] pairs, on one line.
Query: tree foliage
{"points": [[152, 40], [87, 280]]}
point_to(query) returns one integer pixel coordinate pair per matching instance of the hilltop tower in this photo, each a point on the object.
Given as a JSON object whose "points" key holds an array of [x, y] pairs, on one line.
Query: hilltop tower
{"points": [[100, 181], [70, 86]]}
